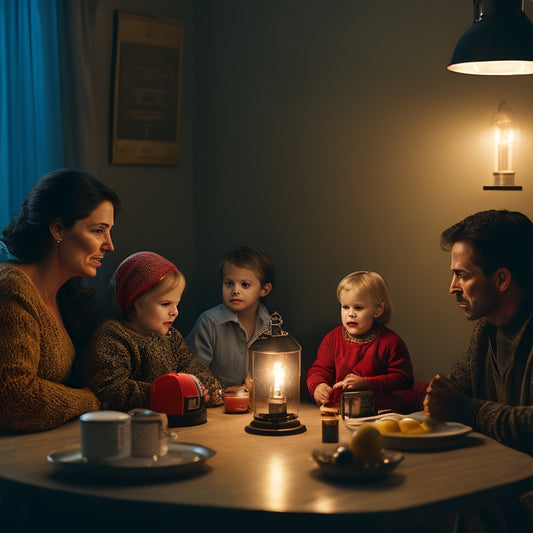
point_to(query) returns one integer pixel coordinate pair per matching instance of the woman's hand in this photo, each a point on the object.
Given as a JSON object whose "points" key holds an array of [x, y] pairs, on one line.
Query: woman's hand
{"points": [[352, 382], [322, 394]]}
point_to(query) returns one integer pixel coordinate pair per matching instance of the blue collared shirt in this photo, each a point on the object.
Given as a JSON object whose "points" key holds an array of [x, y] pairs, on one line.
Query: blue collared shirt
{"points": [[219, 341]]}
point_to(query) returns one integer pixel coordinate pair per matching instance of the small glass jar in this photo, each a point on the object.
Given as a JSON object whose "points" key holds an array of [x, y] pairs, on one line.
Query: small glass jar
{"points": [[236, 399], [330, 424]]}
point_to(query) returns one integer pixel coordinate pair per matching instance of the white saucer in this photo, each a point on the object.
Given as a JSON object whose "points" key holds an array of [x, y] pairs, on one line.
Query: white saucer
{"points": [[182, 459]]}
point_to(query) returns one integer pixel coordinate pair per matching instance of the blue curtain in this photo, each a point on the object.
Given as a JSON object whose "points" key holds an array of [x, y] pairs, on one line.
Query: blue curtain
{"points": [[31, 133]]}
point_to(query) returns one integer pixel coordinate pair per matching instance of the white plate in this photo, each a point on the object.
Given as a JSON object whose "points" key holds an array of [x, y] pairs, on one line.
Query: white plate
{"points": [[355, 422], [356, 471], [444, 435], [182, 459]]}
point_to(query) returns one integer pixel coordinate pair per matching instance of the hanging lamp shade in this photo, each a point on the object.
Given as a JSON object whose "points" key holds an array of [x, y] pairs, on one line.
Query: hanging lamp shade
{"points": [[499, 42]]}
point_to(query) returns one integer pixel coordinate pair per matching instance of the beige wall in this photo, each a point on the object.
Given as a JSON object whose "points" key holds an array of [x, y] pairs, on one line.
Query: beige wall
{"points": [[158, 208], [330, 134]]}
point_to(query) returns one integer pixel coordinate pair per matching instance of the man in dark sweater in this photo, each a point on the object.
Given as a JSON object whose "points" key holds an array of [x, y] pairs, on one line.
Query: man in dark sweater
{"points": [[490, 388]]}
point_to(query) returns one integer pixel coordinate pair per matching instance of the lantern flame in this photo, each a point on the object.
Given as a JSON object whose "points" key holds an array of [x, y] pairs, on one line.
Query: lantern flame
{"points": [[279, 374]]}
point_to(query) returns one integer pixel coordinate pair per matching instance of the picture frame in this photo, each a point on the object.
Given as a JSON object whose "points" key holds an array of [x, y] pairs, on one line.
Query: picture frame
{"points": [[146, 90]]}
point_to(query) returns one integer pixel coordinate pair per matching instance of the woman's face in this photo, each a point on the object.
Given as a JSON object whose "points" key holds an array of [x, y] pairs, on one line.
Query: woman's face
{"points": [[83, 247]]}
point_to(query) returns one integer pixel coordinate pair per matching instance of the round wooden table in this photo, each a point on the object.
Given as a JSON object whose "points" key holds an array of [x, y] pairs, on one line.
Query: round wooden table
{"points": [[261, 483]]}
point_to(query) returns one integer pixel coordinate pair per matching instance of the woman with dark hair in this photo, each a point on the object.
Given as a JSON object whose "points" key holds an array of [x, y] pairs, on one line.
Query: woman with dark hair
{"points": [[61, 234]]}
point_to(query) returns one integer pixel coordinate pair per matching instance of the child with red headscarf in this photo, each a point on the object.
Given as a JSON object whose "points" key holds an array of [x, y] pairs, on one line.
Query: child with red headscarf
{"points": [[126, 354]]}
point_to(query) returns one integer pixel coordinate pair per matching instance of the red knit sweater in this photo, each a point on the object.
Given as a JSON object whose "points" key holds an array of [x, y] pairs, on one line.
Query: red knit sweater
{"points": [[385, 362]]}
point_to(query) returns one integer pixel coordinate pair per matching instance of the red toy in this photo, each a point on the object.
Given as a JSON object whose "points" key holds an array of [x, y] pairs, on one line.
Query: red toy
{"points": [[181, 397]]}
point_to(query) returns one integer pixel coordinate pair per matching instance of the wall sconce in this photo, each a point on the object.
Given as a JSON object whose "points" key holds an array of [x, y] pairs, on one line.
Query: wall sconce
{"points": [[503, 123], [499, 42], [275, 361]]}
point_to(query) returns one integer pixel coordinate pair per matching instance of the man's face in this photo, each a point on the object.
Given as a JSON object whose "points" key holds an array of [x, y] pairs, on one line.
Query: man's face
{"points": [[476, 294]]}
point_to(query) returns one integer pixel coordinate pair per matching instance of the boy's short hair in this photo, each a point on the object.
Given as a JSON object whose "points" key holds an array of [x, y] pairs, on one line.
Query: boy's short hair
{"points": [[376, 284], [252, 258]]}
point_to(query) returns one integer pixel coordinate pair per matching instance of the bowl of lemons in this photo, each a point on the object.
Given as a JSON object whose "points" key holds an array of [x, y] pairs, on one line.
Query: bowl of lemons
{"points": [[418, 432], [363, 458]]}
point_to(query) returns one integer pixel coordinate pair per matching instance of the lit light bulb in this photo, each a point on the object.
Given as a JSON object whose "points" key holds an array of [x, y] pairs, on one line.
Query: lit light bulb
{"points": [[504, 135], [503, 145]]}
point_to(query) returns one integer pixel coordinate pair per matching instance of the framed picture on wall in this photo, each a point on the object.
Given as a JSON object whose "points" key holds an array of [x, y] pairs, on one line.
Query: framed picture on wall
{"points": [[146, 90]]}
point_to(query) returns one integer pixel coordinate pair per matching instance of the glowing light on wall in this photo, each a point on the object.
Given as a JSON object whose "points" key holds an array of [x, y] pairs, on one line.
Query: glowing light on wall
{"points": [[504, 136]]}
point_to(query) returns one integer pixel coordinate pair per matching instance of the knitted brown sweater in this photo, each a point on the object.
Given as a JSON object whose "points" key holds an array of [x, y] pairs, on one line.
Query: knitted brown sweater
{"points": [[35, 357], [501, 408], [122, 363]]}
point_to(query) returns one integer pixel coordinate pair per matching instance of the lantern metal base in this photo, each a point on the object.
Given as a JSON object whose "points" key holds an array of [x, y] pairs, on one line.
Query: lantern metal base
{"points": [[274, 425]]}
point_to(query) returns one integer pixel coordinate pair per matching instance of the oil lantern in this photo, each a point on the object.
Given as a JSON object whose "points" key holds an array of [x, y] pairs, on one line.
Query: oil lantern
{"points": [[275, 365]]}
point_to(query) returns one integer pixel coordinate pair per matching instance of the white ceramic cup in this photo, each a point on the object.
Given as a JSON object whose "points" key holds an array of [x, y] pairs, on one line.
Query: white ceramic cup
{"points": [[105, 435], [149, 433]]}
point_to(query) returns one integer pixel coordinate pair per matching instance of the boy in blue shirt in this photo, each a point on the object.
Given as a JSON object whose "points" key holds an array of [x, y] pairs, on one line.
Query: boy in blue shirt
{"points": [[222, 335]]}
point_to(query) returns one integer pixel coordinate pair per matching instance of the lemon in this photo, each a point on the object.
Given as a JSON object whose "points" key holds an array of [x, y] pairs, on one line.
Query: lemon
{"points": [[366, 443], [386, 425], [429, 424], [410, 425]]}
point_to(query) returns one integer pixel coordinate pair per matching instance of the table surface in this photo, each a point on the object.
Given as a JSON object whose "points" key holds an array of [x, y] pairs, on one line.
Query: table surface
{"points": [[268, 476]]}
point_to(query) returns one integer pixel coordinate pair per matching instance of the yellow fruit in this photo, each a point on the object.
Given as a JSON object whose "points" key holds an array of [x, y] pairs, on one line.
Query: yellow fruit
{"points": [[366, 443], [429, 424], [386, 425], [410, 425]]}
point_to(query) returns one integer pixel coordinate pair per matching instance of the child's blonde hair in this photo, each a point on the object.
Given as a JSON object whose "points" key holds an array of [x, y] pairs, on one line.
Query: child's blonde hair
{"points": [[376, 284], [168, 282]]}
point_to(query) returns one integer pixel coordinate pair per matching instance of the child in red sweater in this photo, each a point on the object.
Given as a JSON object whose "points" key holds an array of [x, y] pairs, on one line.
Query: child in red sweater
{"points": [[362, 354]]}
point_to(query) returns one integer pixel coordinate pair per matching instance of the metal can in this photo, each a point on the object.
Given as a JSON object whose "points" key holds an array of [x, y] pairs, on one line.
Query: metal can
{"points": [[356, 404]]}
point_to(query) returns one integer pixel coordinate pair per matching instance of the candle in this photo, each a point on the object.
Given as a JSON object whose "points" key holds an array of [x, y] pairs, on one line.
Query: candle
{"points": [[277, 403]]}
